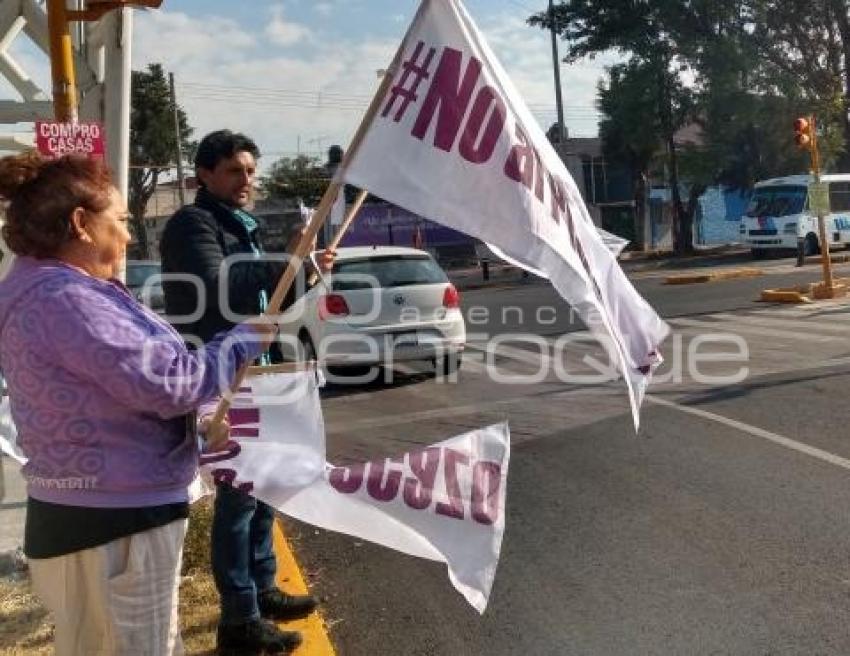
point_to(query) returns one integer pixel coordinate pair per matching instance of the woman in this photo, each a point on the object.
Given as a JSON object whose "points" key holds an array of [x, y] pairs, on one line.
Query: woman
{"points": [[103, 394]]}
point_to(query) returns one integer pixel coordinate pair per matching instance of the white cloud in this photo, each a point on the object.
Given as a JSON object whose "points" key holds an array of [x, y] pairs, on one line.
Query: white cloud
{"points": [[324, 8], [318, 91], [178, 40], [283, 32], [274, 96], [526, 54]]}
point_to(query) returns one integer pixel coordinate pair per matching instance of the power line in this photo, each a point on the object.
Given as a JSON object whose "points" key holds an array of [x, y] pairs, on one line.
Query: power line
{"points": [[313, 97]]}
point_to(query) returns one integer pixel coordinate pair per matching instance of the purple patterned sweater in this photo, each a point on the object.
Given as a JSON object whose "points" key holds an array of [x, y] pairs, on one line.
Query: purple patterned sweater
{"points": [[100, 387]]}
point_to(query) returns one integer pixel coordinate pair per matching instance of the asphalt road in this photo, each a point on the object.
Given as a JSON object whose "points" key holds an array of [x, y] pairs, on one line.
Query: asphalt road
{"points": [[721, 528]]}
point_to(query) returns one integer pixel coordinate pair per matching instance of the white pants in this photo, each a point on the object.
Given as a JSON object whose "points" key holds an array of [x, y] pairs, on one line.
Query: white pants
{"points": [[117, 599]]}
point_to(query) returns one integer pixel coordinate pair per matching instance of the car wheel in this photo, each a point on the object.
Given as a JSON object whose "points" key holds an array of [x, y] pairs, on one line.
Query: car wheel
{"points": [[449, 364], [811, 245], [307, 350], [758, 253]]}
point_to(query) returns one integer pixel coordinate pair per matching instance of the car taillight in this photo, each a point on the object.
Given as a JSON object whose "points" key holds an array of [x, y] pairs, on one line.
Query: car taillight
{"points": [[332, 305], [451, 297]]}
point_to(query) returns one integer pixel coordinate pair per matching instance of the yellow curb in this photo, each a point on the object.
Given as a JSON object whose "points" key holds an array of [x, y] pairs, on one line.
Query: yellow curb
{"points": [[690, 279], [806, 293], [839, 290], [313, 631], [783, 296]]}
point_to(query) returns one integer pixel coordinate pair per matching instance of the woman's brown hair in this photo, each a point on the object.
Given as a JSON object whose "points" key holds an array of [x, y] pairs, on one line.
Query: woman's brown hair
{"points": [[43, 194]]}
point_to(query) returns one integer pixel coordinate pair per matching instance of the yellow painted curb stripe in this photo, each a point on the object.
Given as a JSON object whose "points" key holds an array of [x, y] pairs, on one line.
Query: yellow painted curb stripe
{"points": [[783, 296], [689, 279], [289, 579]]}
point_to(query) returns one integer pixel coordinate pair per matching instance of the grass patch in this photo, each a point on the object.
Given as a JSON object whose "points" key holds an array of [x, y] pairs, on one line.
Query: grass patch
{"points": [[26, 628]]}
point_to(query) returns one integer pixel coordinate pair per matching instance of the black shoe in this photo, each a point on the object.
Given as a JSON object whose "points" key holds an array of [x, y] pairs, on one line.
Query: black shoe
{"points": [[255, 638], [277, 605]]}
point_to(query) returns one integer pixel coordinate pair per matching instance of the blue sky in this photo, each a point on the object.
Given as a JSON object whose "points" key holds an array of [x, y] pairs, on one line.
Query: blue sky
{"points": [[297, 74]]}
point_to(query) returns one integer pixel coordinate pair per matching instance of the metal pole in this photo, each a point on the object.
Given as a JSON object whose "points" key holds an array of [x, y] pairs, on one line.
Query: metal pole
{"points": [[556, 62], [62, 62], [180, 179], [118, 25], [824, 238]]}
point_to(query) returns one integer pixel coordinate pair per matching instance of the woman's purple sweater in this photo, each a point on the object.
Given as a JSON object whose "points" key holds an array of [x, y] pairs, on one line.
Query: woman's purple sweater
{"points": [[100, 388]]}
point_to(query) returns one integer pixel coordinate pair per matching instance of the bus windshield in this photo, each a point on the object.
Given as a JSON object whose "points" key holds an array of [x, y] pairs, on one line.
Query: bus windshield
{"points": [[777, 201]]}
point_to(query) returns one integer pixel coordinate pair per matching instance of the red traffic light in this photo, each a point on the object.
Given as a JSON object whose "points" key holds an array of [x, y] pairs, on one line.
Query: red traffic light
{"points": [[803, 132]]}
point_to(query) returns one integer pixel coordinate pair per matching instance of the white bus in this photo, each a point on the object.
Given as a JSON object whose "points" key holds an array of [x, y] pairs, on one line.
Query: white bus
{"points": [[779, 213]]}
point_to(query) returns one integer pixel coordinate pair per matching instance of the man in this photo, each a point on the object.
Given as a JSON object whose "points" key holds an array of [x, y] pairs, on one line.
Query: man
{"points": [[196, 241]]}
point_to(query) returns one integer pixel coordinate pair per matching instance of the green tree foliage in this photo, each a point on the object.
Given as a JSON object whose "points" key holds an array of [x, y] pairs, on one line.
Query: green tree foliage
{"points": [[803, 53], [740, 70], [641, 31], [153, 142], [628, 129], [297, 178]]}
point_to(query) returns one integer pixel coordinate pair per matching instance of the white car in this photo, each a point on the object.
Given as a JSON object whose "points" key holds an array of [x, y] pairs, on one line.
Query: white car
{"points": [[379, 305], [144, 280]]}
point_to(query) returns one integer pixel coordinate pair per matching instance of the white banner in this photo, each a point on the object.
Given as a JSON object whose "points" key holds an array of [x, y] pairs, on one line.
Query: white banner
{"points": [[454, 142], [8, 432], [338, 210], [444, 502]]}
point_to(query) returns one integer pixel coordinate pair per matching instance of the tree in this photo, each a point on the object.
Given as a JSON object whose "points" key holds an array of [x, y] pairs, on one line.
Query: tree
{"points": [[153, 142], [751, 65], [297, 178], [629, 129], [642, 31], [804, 52]]}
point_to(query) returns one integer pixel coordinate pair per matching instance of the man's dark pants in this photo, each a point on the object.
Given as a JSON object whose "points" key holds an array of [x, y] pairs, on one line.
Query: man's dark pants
{"points": [[243, 560]]}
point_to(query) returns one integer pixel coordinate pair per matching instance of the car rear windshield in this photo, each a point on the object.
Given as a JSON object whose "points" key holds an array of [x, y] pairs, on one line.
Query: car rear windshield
{"points": [[138, 273], [777, 201], [387, 271]]}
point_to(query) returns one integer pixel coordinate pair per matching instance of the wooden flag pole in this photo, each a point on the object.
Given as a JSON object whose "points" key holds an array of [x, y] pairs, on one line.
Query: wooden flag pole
{"points": [[319, 217], [346, 223]]}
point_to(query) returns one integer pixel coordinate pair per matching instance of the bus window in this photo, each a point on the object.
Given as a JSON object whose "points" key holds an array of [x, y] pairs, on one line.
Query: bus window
{"points": [[777, 201], [839, 196]]}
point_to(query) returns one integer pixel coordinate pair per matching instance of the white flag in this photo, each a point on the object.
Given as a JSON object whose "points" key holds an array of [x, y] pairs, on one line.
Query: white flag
{"points": [[454, 142], [444, 502], [615, 243], [8, 433], [305, 212], [338, 209]]}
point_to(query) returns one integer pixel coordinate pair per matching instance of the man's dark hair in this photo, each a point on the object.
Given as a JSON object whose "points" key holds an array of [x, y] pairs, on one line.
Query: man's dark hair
{"points": [[222, 144]]}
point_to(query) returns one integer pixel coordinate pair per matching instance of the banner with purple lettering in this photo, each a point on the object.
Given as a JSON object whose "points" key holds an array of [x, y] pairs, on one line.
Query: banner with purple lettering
{"points": [[454, 142], [444, 502]]}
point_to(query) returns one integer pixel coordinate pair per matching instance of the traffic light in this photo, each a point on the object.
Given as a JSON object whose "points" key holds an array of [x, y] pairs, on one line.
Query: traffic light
{"points": [[803, 133]]}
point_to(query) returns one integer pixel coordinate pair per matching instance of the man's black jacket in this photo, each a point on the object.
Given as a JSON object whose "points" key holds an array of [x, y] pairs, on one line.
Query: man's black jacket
{"points": [[195, 241]]}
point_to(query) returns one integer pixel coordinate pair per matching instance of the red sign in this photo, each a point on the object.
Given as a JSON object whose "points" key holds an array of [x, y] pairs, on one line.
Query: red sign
{"points": [[55, 139]]}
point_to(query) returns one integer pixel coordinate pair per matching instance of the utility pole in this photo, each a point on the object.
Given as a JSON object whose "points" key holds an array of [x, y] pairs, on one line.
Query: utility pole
{"points": [[180, 179], [62, 71], [556, 62], [806, 137], [62, 62]]}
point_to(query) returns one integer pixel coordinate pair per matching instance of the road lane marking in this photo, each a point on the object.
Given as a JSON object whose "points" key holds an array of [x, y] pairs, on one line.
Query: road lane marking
{"points": [[799, 324], [781, 440], [533, 357], [734, 328], [316, 641]]}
